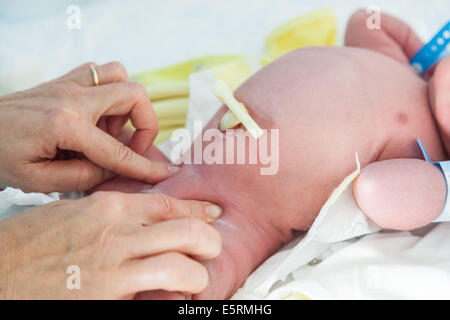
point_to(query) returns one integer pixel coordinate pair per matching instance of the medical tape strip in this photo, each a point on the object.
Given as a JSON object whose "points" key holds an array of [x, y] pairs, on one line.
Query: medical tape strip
{"points": [[445, 168], [434, 51]]}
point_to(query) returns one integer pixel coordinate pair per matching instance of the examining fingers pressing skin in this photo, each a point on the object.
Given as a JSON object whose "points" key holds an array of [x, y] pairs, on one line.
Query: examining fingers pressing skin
{"points": [[190, 236], [173, 272], [71, 115], [104, 236]]}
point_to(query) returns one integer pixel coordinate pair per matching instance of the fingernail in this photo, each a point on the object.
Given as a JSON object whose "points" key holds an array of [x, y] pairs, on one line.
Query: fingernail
{"points": [[173, 169], [213, 211]]}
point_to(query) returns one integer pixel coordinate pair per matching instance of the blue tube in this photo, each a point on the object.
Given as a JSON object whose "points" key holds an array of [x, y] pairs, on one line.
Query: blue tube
{"points": [[434, 51]]}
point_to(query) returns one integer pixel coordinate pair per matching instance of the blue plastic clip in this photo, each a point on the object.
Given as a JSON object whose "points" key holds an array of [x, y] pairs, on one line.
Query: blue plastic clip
{"points": [[445, 168], [434, 51]]}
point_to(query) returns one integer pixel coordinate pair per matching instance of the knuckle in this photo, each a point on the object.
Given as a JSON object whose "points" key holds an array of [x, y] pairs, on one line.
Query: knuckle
{"points": [[192, 212], [124, 153], [116, 202], [139, 90], [108, 200], [118, 70], [62, 118], [167, 206]]}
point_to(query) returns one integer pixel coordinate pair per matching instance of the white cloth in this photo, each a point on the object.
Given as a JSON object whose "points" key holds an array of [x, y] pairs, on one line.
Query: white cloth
{"points": [[336, 261], [385, 265], [14, 201]]}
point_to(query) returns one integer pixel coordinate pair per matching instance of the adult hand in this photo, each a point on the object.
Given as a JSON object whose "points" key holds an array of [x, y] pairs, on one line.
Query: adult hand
{"points": [[121, 243], [39, 126]]}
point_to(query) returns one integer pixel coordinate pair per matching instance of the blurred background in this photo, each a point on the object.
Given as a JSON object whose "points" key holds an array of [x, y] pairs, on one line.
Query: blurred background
{"points": [[36, 44]]}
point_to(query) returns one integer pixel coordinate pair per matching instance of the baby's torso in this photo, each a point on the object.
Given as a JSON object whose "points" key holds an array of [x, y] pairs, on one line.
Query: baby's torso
{"points": [[331, 102]]}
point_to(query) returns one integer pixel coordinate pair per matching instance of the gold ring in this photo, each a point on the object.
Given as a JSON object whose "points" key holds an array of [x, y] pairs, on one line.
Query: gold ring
{"points": [[94, 74]]}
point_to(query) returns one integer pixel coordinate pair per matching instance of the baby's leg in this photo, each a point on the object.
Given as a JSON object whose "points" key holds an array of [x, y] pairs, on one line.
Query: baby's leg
{"points": [[401, 194], [395, 38]]}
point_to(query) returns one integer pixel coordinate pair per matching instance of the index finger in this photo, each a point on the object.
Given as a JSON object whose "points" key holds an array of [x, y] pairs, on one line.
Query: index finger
{"points": [[150, 208], [109, 153], [129, 100]]}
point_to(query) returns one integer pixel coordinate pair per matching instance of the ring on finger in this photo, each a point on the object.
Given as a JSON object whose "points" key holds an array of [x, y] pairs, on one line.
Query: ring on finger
{"points": [[94, 74]]}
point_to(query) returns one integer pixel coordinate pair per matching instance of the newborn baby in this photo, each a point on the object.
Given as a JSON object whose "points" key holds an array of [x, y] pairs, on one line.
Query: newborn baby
{"points": [[327, 103]]}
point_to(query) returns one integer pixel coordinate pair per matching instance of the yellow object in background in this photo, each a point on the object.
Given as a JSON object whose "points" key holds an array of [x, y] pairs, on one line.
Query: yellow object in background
{"points": [[181, 71], [317, 28], [296, 296], [233, 73], [168, 88]]}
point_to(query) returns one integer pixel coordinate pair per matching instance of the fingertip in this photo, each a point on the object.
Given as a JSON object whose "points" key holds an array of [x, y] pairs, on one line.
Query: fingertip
{"points": [[155, 172], [213, 212], [173, 169]]}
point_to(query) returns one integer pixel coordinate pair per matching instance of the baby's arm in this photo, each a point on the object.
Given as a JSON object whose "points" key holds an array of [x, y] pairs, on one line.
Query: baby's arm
{"points": [[439, 96], [401, 194], [395, 38]]}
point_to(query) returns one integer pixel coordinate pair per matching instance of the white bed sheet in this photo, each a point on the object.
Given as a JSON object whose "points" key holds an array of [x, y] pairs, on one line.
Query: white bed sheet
{"points": [[386, 265]]}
